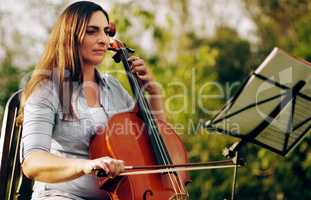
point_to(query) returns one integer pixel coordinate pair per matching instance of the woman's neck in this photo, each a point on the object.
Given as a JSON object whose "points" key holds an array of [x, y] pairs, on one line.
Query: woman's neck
{"points": [[88, 73], [90, 87]]}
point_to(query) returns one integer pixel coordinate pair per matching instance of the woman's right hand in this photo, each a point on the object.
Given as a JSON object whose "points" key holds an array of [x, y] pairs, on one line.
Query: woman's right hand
{"points": [[112, 167]]}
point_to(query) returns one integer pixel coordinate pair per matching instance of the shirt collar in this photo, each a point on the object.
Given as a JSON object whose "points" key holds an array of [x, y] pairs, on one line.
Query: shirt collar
{"points": [[100, 79]]}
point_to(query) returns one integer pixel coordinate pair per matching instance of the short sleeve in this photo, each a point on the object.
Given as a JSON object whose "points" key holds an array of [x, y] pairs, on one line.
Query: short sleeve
{"points": [[39, 115]]}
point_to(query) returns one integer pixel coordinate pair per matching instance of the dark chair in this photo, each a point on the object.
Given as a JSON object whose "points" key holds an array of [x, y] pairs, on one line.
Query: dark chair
{"points": [[13, 184]]}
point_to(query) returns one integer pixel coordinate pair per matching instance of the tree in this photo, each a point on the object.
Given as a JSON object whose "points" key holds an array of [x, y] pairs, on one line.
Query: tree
{"points": [[282, 23]]}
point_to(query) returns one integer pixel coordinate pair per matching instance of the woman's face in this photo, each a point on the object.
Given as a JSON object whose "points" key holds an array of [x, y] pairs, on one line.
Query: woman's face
{"points": [[95, 41]]}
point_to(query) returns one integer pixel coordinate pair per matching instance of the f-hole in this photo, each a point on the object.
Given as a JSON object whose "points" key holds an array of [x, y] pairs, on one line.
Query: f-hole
{"points": [[146, 193]]}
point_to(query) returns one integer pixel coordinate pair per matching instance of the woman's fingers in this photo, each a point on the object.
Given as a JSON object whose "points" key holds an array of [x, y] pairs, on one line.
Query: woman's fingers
{"points": [[144, 77], [141, 71], [139, 68], [112, 167], [116, 167], [132, 58], [103, 165], [136, 63]]}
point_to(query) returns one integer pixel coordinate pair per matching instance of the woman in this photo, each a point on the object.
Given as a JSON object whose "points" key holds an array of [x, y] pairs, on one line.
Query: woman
{"points": [[66, 100]]}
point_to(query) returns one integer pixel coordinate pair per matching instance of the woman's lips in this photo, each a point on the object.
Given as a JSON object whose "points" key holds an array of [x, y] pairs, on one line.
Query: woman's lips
{"points": [[99, 51]]}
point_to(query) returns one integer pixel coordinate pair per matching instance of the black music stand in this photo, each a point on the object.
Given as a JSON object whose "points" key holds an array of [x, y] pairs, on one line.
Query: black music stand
{"points": [[271, 109]]}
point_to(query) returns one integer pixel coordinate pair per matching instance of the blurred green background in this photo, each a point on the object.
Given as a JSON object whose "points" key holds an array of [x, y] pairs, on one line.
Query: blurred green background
{"points": [[187, 44]]}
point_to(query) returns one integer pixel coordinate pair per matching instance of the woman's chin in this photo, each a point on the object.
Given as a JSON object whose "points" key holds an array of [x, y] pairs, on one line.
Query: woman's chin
{"points": [[97, 61]]}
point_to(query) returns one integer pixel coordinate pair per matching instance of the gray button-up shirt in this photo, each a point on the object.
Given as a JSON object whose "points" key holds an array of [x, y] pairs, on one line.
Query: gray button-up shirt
{"points": [[44, 128]]}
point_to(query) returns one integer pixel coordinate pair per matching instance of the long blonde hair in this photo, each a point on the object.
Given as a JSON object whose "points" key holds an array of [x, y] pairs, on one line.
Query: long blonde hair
{"points": [[61, 58]]}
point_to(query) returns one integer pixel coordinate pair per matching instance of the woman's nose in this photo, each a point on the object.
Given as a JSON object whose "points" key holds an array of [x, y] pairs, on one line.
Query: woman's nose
{"points": [[103, 38]]}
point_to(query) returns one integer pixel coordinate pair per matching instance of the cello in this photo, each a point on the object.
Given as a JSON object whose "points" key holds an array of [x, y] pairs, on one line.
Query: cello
{"points": [[146, 141]]}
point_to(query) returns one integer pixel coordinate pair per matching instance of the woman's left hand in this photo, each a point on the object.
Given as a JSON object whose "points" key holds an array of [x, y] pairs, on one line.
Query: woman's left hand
{"points": [[143, 73]]}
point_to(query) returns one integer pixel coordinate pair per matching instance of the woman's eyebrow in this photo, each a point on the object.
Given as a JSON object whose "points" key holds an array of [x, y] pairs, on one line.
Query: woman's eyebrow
{"points": [[95, 27]]}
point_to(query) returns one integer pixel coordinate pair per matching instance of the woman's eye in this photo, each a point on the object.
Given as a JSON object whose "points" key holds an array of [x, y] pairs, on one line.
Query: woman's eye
{"points": [[90, 31]]}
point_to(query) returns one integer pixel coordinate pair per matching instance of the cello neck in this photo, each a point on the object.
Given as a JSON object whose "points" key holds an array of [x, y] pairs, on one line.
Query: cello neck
{"points": [[158, 146]]}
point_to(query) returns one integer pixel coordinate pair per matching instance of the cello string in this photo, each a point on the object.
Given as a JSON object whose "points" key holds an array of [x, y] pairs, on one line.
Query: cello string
{"points": [[158, 139], [146, 109], [163, 155], [153, 126], [178, 178], [148, 115]]}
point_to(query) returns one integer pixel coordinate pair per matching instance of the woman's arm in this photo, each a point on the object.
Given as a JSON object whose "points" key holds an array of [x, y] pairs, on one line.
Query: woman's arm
{"points": [[37, 163], [46, 167]]}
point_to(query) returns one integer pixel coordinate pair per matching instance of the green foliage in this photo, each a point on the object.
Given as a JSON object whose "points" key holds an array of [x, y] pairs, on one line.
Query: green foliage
{"points": [[282, 23], [9, 82], [232, 63]]}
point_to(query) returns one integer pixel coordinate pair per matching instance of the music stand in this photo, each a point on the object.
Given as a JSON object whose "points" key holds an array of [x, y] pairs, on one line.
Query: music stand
{"points": [[271, 109]]}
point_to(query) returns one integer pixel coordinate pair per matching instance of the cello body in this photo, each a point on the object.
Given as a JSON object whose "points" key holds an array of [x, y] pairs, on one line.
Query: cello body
{"points": [[125, 138]]}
